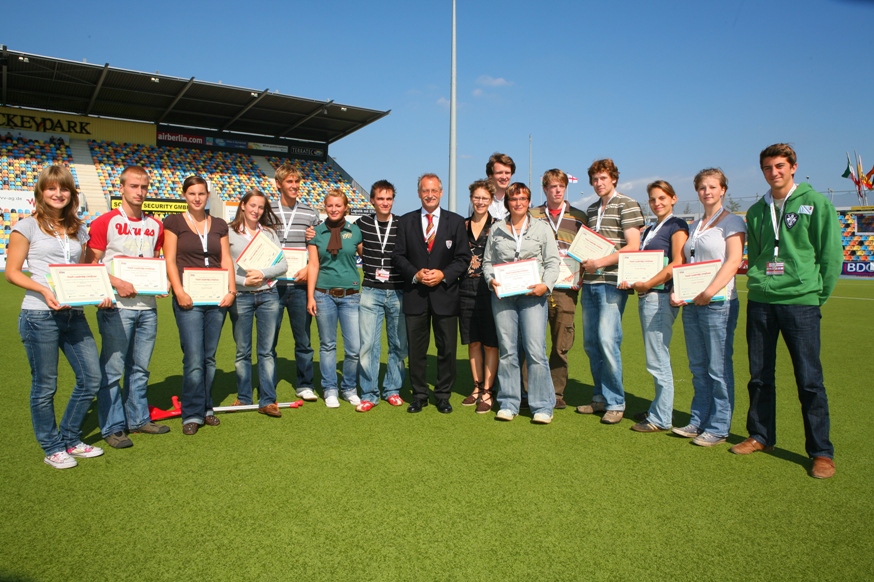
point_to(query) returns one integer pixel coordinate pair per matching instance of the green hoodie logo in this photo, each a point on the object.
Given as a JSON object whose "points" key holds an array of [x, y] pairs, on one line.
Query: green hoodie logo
{"points": [[790, 220]]}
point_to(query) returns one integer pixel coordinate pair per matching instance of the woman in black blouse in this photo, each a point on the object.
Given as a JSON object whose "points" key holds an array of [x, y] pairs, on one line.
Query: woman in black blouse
{"points": [[476, 321]]}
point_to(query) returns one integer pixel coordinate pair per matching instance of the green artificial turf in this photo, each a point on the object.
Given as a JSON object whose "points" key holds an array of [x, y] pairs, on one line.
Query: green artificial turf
{"points": [[336, 495]]}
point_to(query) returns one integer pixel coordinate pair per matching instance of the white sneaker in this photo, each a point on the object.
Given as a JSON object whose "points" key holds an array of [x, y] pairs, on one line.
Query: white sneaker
{"points": [[352, 399], [60, 460], [541, 418], [505, 414], [308, 395], [84, 451], [332, 402]]}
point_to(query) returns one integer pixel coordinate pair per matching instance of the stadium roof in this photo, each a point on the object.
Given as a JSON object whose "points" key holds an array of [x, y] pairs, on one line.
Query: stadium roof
{"points": [[37, 82]]}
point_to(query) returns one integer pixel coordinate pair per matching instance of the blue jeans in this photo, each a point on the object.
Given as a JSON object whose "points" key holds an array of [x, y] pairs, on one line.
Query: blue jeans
{"points": [[710, 347], [265, 309], [376, 305], [42, 333], [293, 298], [799, 325], [330, 310], [603, 306], [657, 323], [523, 318], [128, 337], [199, 331]]}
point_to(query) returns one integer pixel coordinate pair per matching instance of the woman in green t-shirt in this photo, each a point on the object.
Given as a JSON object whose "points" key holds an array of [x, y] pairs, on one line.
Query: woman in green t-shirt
{"points": [[333, 283]]}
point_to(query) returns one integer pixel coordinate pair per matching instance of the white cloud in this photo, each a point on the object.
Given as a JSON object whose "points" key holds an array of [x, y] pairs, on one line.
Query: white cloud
{"points": [[584, 201], [443, 102], [489, 81], [478, 93]]}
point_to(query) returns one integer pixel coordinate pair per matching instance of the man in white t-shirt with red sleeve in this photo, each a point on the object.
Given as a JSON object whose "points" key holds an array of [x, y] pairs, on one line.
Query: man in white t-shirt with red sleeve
{"points": [[130, 327]]}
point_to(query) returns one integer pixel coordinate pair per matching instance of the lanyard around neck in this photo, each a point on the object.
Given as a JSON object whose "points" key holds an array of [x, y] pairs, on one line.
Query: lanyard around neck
{"points": [[653, 230], [518, 237], [287, 225], [700, 231], [64, 244], [139, 239], [602, 210], [557, 224], [383, 241], [776, 223], [204, 238]]}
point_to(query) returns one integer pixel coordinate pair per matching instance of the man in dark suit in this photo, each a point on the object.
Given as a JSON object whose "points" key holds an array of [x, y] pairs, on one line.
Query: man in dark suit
{"points": [[431, 253]]}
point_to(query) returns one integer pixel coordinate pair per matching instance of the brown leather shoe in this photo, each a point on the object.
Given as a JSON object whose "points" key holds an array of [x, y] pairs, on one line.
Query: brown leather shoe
{"points": [[211, 420], [612, 417], [190, 428], [271, 410], [750, 446], [822, 468], [237, 403], [560, 404], [592, 408]]}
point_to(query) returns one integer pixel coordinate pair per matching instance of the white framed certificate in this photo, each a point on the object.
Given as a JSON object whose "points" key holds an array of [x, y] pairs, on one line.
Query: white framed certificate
{"points": [[260, 253], [147, 275], [692, 279], [588, 244], [76, 285], [568, 274], [642, 266], [296, 258], [516, 278], [205, 286]]}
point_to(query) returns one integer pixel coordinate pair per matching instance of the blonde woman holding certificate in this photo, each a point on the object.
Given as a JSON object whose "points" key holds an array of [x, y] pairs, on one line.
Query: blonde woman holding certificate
{"points": [[521, 238], [257, 300], [657, 315], [195, 240], [709, 324]]}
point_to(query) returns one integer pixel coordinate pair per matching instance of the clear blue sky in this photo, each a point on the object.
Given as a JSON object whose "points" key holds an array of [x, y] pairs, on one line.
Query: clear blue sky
{"points": [[664, 88]]}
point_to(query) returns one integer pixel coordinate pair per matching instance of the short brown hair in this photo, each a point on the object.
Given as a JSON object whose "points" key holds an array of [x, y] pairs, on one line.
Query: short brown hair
{"points": [[191, 181], [516, 188], [554, 175], [707, 173], [486, 185], [138, 171], [605, 165], [285, 170], [663, 186], [382, 185], [778, 150], [498, 158]]}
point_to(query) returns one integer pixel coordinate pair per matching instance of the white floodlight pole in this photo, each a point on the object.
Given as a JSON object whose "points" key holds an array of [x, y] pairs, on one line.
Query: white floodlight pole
{"points": [[452, 123]]}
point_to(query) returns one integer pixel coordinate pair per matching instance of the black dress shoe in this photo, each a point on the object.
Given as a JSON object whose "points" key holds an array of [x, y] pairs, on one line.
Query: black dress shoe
{"points": [[444, 407], [417, 405]]}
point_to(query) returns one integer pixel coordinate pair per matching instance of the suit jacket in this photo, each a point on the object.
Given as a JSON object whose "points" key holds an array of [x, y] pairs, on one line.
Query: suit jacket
{"points": [[450, 254]]}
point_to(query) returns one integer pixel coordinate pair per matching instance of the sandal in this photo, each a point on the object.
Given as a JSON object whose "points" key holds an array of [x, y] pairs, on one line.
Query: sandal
{"points": [[475, 396], [486, 401]]}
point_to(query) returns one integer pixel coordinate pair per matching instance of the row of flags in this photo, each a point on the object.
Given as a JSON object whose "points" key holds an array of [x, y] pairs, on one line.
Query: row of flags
{"points": [[858, 176]]}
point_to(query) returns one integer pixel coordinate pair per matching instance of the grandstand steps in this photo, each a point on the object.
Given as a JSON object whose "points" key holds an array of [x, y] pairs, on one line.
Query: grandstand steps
{"points": [[89, 182], [267, 168]]}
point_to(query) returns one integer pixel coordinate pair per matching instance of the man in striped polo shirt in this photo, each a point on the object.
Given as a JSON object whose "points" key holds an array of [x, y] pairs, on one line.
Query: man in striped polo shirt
{"points": [[565, 221], [616, 217], [381, 299], [295, 218]]}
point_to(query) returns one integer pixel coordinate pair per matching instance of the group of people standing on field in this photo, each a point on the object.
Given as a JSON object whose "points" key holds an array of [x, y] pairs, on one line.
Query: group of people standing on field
{"points": [[431, 271]]}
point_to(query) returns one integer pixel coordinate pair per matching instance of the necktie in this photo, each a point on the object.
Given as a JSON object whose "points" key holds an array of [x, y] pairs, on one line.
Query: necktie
{"points": [[430, 232]]}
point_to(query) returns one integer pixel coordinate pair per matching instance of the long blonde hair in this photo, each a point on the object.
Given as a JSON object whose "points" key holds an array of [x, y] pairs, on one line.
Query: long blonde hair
{"points": [[44, 216]]}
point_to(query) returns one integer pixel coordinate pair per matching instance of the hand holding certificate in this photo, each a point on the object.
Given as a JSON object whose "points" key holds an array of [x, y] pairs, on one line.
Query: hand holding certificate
{"points": [[588, 244], [296, 258], [690, 280], [76, 285], [516, 278], [261, 252], [147, 275], [641, 266], [205, 286], [568, 274]]}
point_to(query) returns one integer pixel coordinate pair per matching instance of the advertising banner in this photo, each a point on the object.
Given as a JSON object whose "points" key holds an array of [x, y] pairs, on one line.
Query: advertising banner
{"points": [[156, 205], [858, 269], [168, 135]]}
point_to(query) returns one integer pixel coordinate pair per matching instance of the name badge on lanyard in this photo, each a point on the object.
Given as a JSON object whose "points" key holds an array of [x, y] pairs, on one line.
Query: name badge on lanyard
{"points": [[383, 274], [775, 268]]}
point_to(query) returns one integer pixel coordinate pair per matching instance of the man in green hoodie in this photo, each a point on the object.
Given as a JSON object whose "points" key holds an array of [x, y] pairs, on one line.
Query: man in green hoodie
{"points": [[795, 259]]}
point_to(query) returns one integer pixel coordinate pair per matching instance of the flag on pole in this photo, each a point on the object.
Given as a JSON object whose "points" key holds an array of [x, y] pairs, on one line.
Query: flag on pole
{"points": [[864, 179], [849, 173], [574, 179]]}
